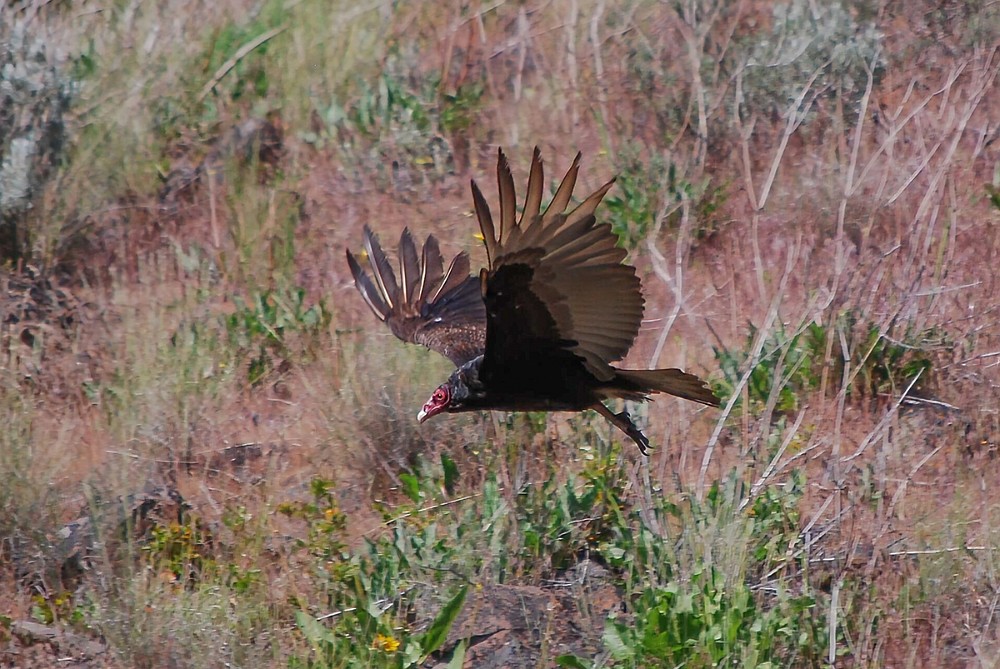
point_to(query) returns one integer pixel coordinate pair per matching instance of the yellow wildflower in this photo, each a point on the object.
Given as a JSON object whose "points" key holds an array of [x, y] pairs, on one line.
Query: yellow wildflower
{"points": [[386, 643]]}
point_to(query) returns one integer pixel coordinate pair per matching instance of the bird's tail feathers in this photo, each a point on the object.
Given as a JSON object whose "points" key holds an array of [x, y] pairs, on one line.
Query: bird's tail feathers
{"points": [[671, 381]]}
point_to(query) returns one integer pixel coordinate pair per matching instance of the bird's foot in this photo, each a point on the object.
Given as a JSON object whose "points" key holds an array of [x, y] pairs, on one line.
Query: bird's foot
{"points": [[624, 423], [633, 432]]}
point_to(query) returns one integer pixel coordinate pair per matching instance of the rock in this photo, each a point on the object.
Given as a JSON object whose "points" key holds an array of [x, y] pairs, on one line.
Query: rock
{"points": [[515, 626], [34, 95], [78, 647]]}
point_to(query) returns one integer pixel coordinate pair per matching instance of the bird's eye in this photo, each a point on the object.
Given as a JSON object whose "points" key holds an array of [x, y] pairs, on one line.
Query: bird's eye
{"points": [[440, 395]]}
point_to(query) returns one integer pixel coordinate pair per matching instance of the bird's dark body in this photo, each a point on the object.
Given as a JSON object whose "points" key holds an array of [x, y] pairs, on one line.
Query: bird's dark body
{"points": [[524, 388], [540, 325]]}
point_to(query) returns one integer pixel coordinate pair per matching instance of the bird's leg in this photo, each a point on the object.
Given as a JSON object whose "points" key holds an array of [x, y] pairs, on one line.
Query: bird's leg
{"points": [[624, 423]]}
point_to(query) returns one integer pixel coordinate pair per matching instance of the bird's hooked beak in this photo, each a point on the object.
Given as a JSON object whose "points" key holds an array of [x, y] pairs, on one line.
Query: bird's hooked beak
{"points": [[438, 402]]}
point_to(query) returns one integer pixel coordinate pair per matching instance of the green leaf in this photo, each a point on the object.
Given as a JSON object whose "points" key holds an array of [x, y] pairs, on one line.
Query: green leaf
{"points": [[432, 639], [411, 486], [450, 473], [410, 657], [616, 645], [458, 657], [314, 632], [571, 661]]}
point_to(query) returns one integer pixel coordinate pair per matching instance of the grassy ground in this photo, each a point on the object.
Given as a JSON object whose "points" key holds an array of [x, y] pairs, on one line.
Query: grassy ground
{"points": [[210, 457]]}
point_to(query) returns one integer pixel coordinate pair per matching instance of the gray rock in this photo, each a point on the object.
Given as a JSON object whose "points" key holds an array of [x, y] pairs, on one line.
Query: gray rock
{"points": [[34, 96]]}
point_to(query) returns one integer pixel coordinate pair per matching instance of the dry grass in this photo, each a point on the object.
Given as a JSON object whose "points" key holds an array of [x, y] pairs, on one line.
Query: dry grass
{"points": [[797, 194]]}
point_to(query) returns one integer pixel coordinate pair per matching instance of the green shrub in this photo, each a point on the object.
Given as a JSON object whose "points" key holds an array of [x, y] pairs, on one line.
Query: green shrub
{"points": [[646, 188], [260, 328], [707, 622], [371, 593], [837, 41], [791, 365]]}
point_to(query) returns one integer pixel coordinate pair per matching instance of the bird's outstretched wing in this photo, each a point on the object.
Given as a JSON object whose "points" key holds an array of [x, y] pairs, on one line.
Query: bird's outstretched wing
{"points": [[442, 310], [556, 290]]}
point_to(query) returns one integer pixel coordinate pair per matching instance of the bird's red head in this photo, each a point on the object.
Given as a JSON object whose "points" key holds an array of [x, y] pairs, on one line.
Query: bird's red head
{"points": [[438, 402]]}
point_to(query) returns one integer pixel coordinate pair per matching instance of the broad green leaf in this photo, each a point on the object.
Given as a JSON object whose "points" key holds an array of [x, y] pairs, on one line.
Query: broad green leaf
{"points": [[314, 632], [432, 639], [616, 645], [411, 486], [450, 473], [458, 658]]}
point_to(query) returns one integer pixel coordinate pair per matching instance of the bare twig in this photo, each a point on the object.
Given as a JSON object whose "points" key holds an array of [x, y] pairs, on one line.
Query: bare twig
{"points": [[831, 656], [890, 511], [794, 116], [432, 507], [769, 471], [752, 361], [885, 419], [240, 54], [602, 90]]}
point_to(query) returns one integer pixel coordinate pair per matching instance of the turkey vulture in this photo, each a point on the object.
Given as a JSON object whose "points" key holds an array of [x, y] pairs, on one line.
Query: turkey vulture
{"points": [[538, 328]]}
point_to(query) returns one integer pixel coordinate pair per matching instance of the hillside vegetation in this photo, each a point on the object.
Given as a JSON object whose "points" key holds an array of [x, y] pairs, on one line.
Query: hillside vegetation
{"points": [[209, 455]]}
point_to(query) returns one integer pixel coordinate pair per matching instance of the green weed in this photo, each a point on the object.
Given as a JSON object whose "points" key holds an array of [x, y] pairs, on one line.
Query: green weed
{"points": [[787, 366], [791, 365], [693, 596], [372, 592], [706, 622], [363, 639], [325, 521], [181, 550], [648, 188], [260, 328], [60, 607], [836, 45]]}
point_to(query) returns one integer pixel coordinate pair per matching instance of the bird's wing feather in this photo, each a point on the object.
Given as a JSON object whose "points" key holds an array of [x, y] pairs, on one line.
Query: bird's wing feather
{"points": [[556, 285], [443, 311]]}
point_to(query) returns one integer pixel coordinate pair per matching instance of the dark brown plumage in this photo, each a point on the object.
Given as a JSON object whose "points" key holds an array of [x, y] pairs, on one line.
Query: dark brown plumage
{"points": [[539, 329], [444, 311]]}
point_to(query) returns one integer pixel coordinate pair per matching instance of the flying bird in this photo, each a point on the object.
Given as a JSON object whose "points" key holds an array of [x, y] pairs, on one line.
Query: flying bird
{"points": [[538, 329]]}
